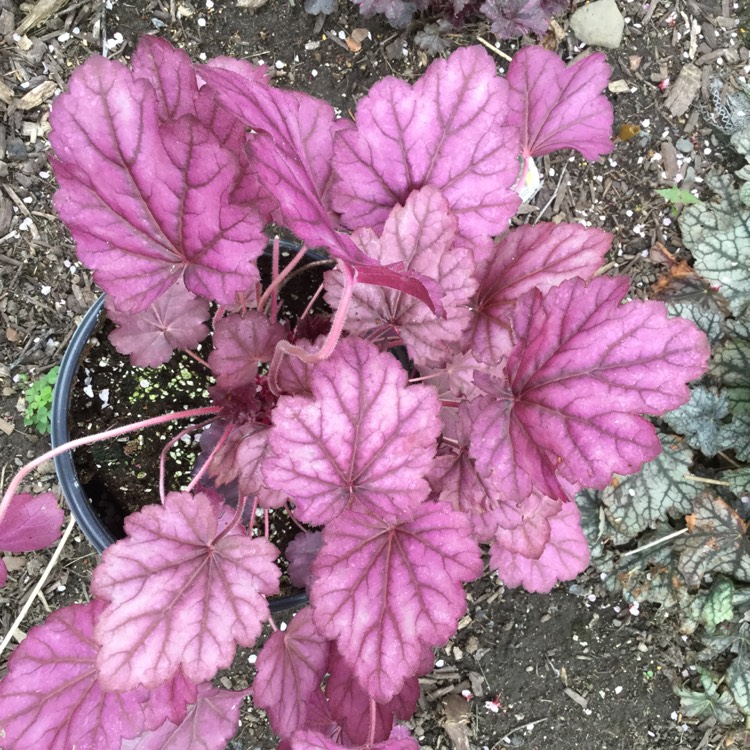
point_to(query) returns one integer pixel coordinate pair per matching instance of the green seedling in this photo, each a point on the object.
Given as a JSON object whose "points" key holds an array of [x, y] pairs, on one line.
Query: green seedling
{"points": [[676, 197], [39, 402]]}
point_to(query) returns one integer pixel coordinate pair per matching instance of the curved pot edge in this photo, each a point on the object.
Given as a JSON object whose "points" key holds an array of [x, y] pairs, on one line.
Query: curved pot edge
{"points": [[88, 521]]}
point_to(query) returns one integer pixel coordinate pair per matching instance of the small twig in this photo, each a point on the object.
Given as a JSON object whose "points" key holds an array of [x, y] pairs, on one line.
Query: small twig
{"points": [[706, 480], [519, 728], [37, 589], [552, 197], [494, 49], [655, 542]]}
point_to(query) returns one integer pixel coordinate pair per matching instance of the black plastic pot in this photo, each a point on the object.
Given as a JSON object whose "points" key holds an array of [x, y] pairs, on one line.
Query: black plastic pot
{"points": [[78, 501]]}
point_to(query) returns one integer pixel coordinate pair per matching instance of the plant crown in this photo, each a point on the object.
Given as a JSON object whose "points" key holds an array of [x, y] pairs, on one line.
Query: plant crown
{"points": [[521, 377]]}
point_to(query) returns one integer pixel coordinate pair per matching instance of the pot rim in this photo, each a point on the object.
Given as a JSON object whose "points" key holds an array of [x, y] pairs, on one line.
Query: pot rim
{"points": [[77, 500]]}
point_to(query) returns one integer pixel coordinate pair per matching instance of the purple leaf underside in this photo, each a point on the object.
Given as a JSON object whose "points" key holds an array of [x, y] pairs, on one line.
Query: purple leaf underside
{"points": [[446, 130], [51, 697], [454, 476], [420, 235], [532, 256], [565, 555], [147, 202], [175, 320], [400, 739], [350, 705], [385, 592], [209, 723], [364, 441], [582, 370], [290, 668], [240, 343], [31, 522], [556, 107], [300, 554], [179, 594]]}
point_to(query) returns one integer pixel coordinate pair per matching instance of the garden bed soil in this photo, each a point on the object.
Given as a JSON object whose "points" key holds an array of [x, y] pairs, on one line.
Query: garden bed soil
{"points": [[573, 669]]}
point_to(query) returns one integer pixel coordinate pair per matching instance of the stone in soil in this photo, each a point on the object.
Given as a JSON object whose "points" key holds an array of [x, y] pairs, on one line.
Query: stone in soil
{"points": [[599, 23]]}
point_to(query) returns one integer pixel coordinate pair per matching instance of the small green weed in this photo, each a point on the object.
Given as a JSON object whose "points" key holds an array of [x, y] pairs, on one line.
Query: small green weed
{"points": [[39, 402]]}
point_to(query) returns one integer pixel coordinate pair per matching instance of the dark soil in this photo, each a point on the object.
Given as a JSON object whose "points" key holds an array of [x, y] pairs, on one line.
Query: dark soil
{"points": [[523, 670]]}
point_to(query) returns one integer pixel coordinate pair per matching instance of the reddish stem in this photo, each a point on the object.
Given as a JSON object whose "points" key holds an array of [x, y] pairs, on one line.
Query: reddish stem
{"points": [[197, 358], [277, 279], [97, 438], [219, 445], [236, 518], [325, 351], [373, 720], [170, 444], [252, 517]]}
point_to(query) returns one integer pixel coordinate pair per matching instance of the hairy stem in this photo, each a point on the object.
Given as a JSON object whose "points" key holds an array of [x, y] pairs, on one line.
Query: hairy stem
{"points": [[373, 721], [97, 438], [279, 278]]}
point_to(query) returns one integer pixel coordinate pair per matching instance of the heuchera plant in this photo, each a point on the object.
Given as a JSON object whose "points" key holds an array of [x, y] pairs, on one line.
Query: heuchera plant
{"points": [[526, 379]]}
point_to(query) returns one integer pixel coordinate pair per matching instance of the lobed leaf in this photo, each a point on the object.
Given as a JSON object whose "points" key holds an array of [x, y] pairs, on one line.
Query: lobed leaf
{"points": [[446, 130], [529, 257], [147, 202], [385, 591], [718, 605], [349, 704], [290, 668], [51, 697], [738, 672], [717, 541], [565, 555], [421, 236], [643, 500], [582, 369], [730, 364], [175, 320], [240, 343], [365, 441], [556, 107], [30, 522], [700, 419], [209, 723], [179, 593]]}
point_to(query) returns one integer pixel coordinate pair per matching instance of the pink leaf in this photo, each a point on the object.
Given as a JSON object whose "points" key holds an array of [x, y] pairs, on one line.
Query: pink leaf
{"points": [[179, 594], [3, 573], [400, 739], [420, 235], [294, 374], [208, 724], [556, 107], [173, 321], [384, 592], [565, 555], [147, 203], [445, 130], [300, 553], [240, 458], [583, 368], [365, 440], [240, 343], [350, 705], [291, 152], [51, 697], [527, 257], [31, 522], [454, 476], [524, 528], [170, 73], [290, 668]]}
